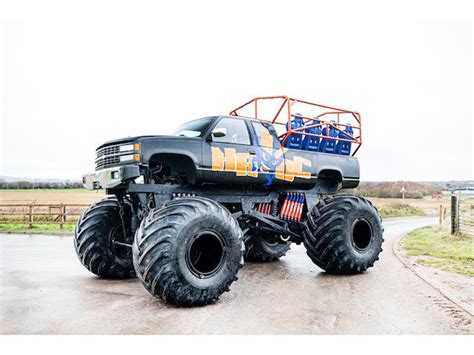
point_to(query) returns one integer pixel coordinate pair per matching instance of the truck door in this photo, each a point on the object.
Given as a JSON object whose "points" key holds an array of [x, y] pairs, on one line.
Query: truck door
{"points": [[228, 153], [269, 159], [278, 165]]}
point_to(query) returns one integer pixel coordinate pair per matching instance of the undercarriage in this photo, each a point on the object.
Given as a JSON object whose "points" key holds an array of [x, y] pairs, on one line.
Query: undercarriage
{"points": [[280, 212]]}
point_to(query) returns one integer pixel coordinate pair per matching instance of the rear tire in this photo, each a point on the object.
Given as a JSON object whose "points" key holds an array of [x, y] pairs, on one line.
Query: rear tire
{"points": [[189, 251], [263, 249], [95, 237], [344, 234]]}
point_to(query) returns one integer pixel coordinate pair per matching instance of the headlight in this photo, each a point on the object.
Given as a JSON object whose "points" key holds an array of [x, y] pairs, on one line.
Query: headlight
{"points": [[124, 158], [130, 148], [126, 148]]}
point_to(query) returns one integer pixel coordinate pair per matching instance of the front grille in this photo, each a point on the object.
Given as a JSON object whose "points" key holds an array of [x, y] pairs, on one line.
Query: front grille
{"points": [[115, 149], [107, 162], [110, 156]]}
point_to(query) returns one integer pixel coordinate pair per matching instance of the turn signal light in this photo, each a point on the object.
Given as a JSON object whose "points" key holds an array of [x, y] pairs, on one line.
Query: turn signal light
{"points": [[136, 146], [136, 157]]}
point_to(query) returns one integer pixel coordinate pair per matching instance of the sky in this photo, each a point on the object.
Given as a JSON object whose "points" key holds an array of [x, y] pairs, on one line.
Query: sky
{"points": [[75, 74]]}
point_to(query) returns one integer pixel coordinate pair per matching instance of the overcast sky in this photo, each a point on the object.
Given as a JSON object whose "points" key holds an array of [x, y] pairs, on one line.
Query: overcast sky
{"points": [[74, 74]]}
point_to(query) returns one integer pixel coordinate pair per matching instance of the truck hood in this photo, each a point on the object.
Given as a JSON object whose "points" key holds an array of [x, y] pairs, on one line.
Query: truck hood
{"points": [[138, 139]]}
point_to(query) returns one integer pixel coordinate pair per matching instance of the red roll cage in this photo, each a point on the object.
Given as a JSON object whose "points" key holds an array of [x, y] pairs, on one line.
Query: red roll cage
{"points": [[280, 110]]}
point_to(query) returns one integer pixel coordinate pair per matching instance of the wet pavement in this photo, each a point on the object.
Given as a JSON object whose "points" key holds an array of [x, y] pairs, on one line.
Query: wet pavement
{"points": [[45, 290]]}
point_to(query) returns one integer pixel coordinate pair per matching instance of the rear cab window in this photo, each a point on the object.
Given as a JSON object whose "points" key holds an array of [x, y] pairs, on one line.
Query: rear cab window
{"points": [[266, 135]]}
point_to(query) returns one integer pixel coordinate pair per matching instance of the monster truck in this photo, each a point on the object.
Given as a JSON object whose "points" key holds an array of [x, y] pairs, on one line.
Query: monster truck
{"points": [[186, 209]]}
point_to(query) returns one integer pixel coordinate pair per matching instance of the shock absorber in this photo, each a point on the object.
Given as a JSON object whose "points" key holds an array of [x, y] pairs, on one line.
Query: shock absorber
{"points": [[292, 206], [284, 206], [265, 208]]}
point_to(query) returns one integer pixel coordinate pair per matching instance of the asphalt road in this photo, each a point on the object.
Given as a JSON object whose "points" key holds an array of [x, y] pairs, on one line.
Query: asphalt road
{"points": [[45, 290]]}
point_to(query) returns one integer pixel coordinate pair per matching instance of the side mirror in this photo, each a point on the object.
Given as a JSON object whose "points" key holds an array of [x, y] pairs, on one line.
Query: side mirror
{"points": [[219, 132]]}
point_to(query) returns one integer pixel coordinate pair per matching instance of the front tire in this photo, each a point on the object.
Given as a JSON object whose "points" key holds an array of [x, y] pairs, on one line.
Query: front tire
{"points": [[344, 234], [189, 251], [96, 238]]}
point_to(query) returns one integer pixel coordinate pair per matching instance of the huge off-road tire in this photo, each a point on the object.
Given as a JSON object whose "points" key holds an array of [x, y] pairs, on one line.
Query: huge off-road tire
{"points": [[189, 251], [262, 248], [97, 234], [344, 234]]}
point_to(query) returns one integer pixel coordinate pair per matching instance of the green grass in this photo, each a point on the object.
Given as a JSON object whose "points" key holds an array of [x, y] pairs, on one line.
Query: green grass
{"points": [[437, 248], [399, 210], [39, 228]]}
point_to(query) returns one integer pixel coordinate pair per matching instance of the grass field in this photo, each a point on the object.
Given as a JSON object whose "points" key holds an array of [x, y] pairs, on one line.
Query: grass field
{"points": [[82, 196], [397, 207], [71, 196], [68, 196], [436, 247], [388, 207], [39, 228]]}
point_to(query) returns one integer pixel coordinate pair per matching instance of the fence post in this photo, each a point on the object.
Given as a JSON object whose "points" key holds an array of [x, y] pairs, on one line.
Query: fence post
{"points": [[440, 214], [61, 216], [454, 214], [30, 217]]}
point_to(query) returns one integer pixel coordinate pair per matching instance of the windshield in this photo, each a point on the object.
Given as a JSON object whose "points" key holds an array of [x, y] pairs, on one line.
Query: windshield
{"points": [[194, 128]]}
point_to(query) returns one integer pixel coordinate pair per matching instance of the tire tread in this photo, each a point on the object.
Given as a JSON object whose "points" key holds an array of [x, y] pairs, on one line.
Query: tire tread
{"points": [[324, 240]]}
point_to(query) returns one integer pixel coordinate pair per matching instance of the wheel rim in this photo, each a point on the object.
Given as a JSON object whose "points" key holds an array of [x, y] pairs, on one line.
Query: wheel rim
{"points": [[116, 239], [362, 234], [206, 254]]}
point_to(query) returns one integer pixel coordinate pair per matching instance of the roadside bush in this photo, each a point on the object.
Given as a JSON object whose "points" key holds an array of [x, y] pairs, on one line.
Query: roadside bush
{"points": [[399, 210]]}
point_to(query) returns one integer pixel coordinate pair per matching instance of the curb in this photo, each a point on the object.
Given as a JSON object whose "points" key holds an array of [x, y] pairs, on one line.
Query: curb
{"points": [[396, 248]]}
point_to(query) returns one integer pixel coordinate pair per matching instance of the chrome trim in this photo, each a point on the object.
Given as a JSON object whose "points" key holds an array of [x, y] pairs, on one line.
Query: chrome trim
{"points": [[102, 179]]}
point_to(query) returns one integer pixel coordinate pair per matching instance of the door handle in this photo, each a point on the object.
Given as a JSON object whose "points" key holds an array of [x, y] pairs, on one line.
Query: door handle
{"points": [[252, 152]]}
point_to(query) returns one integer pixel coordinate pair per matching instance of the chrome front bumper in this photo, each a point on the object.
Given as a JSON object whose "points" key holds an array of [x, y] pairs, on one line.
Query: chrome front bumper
{"points": [[110, 177]]}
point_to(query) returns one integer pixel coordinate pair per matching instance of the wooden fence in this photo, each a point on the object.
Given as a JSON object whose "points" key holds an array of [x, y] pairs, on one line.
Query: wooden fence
{"points": [[34, 214], [462, 214]]}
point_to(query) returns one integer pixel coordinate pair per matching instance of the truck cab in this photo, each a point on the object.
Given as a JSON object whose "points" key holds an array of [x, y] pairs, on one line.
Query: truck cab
{"points": [[221, 150]]}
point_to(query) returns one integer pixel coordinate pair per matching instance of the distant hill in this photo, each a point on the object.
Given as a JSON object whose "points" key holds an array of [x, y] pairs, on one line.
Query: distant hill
{"points": [[392, 189], [453, 185]]}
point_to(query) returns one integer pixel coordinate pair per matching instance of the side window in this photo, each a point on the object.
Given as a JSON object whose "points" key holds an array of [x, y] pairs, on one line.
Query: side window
{"points": [[231, 130], [266, 135]]}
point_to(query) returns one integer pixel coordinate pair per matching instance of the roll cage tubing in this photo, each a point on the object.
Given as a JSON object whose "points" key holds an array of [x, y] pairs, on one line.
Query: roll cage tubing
{"points": [[289, 102]]}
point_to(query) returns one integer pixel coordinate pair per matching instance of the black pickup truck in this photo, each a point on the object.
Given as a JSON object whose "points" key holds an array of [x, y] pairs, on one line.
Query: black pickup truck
{"points": [[187, 209]]}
